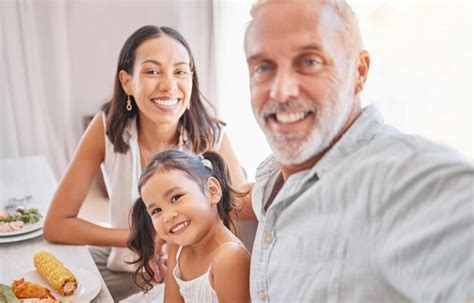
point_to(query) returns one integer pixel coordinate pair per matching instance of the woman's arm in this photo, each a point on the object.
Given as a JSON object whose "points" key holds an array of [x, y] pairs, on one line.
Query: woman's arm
{"points": [[243, 210], [172, 294], [230, 271], [243, 204], [227, 152], [62, 224]]}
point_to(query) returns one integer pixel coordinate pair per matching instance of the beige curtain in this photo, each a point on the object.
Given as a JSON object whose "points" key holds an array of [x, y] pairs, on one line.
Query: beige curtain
{"points": [[34, 77]]}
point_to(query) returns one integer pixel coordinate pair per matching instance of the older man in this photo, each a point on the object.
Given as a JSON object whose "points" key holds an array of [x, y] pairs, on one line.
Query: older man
{"points": [[349, 209]]}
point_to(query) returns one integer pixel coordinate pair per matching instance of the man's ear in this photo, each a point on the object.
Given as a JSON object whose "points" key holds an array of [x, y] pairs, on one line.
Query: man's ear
{"points": [[215, 190], [126, 82], [362, 71]]}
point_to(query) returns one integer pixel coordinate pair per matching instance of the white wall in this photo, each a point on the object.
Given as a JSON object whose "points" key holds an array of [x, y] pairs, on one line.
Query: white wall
{"points": [[232, 85], [421, 73]]}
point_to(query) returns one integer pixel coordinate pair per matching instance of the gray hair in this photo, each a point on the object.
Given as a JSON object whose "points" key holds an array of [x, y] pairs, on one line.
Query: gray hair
{"points": [[352, 34]]}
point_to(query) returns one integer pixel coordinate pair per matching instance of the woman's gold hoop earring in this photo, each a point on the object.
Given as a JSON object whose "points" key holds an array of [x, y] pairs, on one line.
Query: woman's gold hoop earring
{"points": [[129, 104]]}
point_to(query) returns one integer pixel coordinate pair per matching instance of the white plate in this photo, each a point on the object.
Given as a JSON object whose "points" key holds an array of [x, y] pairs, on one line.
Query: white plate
{"points": [[22, 237], [88, 285], [27, 228]]}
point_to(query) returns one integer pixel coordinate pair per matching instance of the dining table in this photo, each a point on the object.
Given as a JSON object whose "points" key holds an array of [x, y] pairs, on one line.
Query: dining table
{"points": [[17, 259], [29, 182]]}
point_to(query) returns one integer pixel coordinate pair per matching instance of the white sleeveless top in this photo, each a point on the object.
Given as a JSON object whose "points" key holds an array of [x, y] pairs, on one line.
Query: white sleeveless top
{"points": [[197, 290], [121, 172]]}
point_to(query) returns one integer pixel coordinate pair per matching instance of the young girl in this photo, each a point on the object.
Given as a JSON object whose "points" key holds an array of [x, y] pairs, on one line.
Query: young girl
{"points": [[186, 200]]}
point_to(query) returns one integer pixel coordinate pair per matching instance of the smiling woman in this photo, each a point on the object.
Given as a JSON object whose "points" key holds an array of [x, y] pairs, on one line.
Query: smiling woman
{"points": [[156, 104]]}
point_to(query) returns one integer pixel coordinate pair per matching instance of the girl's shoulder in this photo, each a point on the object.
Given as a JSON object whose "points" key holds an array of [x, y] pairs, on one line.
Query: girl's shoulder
{"points": [[230, 271], [231, 255]]}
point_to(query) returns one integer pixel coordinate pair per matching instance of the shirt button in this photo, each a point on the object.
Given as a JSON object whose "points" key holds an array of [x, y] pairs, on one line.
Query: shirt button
{"points": [[262, 296], [268, 239]]}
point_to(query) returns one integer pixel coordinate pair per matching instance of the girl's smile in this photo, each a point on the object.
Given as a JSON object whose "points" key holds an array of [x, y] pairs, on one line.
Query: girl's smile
{"points": [[180, 227]]}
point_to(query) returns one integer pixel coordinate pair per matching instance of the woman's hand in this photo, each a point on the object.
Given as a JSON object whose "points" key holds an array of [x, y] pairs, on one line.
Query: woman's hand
{"points": [[159, 261]]}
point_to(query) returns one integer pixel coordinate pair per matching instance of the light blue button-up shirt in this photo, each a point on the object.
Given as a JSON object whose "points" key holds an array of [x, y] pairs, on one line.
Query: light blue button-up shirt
{"points": [[382, 217]]}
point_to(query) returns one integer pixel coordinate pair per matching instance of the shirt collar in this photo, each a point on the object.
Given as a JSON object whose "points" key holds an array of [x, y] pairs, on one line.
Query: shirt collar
{"points": [[359, 134]]}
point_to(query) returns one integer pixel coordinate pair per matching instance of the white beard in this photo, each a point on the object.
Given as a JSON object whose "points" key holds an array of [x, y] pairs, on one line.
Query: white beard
{"points": [[292, 149]]}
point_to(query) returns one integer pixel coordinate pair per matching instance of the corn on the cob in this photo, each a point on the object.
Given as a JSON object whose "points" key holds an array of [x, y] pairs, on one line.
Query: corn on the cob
{"points": [[55, 273]]}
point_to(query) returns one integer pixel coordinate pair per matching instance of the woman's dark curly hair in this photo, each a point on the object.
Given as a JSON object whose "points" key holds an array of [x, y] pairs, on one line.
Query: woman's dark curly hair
{"points": [[142, 236]]}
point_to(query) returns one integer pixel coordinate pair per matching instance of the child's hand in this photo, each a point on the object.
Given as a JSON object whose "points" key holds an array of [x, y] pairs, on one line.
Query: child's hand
{"points": [[158, 263]]}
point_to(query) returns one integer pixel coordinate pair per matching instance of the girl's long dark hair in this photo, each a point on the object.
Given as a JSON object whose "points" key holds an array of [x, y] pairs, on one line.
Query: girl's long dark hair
{"points": [[203, 130], [142, 236]]}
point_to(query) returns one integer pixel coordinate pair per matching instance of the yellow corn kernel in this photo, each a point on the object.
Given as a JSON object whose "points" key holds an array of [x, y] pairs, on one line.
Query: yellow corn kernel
{"points": [[55, 273]]}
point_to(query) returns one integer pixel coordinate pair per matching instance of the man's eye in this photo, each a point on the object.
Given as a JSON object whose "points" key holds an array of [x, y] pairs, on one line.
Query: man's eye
{"points": [[262, 72], [310, 62], [155, 211], [175, 198], [263, 68]]}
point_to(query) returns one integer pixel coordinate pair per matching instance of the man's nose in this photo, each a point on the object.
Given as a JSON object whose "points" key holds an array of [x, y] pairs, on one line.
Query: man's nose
{"points": [[285, 86], [167, 83]]}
